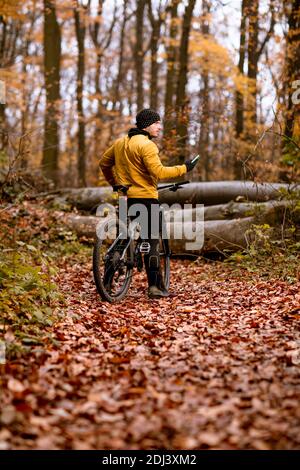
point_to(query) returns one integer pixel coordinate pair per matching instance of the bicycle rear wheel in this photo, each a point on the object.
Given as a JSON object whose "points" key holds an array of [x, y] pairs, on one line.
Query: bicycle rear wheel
{"points": [[112, 262]]}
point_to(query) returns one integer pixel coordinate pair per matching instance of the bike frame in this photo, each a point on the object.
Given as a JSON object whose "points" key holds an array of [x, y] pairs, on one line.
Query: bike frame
{"points": [[133, 226], [130, 238]]}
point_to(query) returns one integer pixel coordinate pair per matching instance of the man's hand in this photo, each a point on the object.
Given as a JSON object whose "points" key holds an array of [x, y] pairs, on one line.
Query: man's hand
{"points": [[190, 164]]}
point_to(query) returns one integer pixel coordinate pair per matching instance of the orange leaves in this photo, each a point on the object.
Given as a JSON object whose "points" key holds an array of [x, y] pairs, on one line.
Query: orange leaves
{"points": [[11, 9], [119, 360], [210, 55], [187, 309], [15, 386], [215, 367]]}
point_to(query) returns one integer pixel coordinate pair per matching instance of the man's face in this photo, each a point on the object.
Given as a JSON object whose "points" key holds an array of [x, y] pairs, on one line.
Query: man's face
{"points": [[154, 129]]}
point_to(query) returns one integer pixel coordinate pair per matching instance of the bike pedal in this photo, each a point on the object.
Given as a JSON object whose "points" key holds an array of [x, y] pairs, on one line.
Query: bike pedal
{"points": [[145, 247]]}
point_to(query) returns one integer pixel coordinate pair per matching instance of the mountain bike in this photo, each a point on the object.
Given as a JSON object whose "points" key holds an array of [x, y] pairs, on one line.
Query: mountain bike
{"points": [[119, 249]]}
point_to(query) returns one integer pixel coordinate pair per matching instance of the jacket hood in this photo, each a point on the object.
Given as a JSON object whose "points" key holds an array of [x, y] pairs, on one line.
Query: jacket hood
{"points": [[136, 131]]}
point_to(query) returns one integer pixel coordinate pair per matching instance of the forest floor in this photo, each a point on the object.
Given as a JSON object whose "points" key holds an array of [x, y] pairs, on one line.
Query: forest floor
{"points": [[215, 367]]}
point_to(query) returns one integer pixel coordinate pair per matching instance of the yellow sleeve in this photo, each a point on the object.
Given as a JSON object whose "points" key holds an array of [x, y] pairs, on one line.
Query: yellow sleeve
{"points": [[106, 163], [156, 168]]}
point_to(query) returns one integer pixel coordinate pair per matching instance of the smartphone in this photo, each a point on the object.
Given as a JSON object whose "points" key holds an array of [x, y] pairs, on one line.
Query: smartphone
{"points": [[195, 159]]}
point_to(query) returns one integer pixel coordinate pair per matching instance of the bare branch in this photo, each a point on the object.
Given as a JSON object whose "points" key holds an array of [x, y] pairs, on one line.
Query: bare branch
{"points": [[270, 31]]}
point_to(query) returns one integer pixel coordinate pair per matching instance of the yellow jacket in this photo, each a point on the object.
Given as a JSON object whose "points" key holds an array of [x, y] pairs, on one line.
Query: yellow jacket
{"points": [[135, 161]]}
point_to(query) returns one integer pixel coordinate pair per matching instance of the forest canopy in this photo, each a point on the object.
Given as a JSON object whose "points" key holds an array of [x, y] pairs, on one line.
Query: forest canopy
{"points": [[224, 77]]}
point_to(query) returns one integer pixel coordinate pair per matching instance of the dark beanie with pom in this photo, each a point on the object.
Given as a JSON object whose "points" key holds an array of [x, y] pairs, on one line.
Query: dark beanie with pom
{"points": [[146, 117]]}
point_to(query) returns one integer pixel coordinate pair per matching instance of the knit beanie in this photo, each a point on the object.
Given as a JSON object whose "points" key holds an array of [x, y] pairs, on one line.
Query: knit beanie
{"points": [[146, 117]]}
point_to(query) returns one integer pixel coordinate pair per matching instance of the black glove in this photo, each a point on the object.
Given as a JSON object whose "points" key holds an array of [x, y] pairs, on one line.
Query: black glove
{"points": [[190, 164]]}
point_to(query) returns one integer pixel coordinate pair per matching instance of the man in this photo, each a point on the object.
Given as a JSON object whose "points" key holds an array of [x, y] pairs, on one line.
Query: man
{"points": [[134, 161]]}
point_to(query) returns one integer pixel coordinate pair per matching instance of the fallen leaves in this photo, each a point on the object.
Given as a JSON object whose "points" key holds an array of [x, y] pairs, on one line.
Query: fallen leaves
{"points": [[216, 366], [8, 414], [15, 386]]}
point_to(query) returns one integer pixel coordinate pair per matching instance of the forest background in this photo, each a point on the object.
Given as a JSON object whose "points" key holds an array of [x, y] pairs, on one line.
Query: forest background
{"points": [[225, 77], [215, 365]]}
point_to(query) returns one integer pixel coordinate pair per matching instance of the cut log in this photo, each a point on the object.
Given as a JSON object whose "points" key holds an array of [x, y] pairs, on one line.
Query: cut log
{"points": [[231, 210], [208, 193], [221, 192], [219, 235], [216, 235], [87, 198]]}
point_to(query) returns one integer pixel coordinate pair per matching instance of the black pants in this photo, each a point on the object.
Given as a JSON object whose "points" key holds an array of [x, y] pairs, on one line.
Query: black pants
{"points": [[152, 261]]}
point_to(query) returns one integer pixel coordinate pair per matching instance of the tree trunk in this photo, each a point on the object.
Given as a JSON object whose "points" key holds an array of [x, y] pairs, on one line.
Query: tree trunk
{"points": [[98, 85], [3, 131], [208, 193], [255, 50], [169, 121], [252, 10], [182, 107], [155, 36], [239, 98], [204, 99], [139, 53], [80, 36], [52, 55], [10, 30], [204, 130], [117, 98], [94, 32], [292, 68], [101, 43], [25, 114]]}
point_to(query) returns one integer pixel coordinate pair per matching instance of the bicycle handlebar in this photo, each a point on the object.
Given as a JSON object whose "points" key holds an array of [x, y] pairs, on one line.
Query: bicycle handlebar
{"points": [[171, 187], [174, 186]]}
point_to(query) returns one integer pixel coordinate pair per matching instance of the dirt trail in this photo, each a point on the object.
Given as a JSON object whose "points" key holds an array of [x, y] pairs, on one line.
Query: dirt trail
{"points": [[215, 367]]}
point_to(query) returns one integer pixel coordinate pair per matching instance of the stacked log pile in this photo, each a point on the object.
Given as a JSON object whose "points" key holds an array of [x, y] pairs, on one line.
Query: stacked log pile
{"points": [[223, 212]]}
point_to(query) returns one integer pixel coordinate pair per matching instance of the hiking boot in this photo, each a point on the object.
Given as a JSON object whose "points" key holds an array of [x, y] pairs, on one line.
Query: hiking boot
{"points": [[156, 293]]}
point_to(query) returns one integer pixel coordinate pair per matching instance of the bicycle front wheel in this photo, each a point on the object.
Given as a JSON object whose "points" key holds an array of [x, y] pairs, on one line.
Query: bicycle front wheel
{"points": [[112, 262]]}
